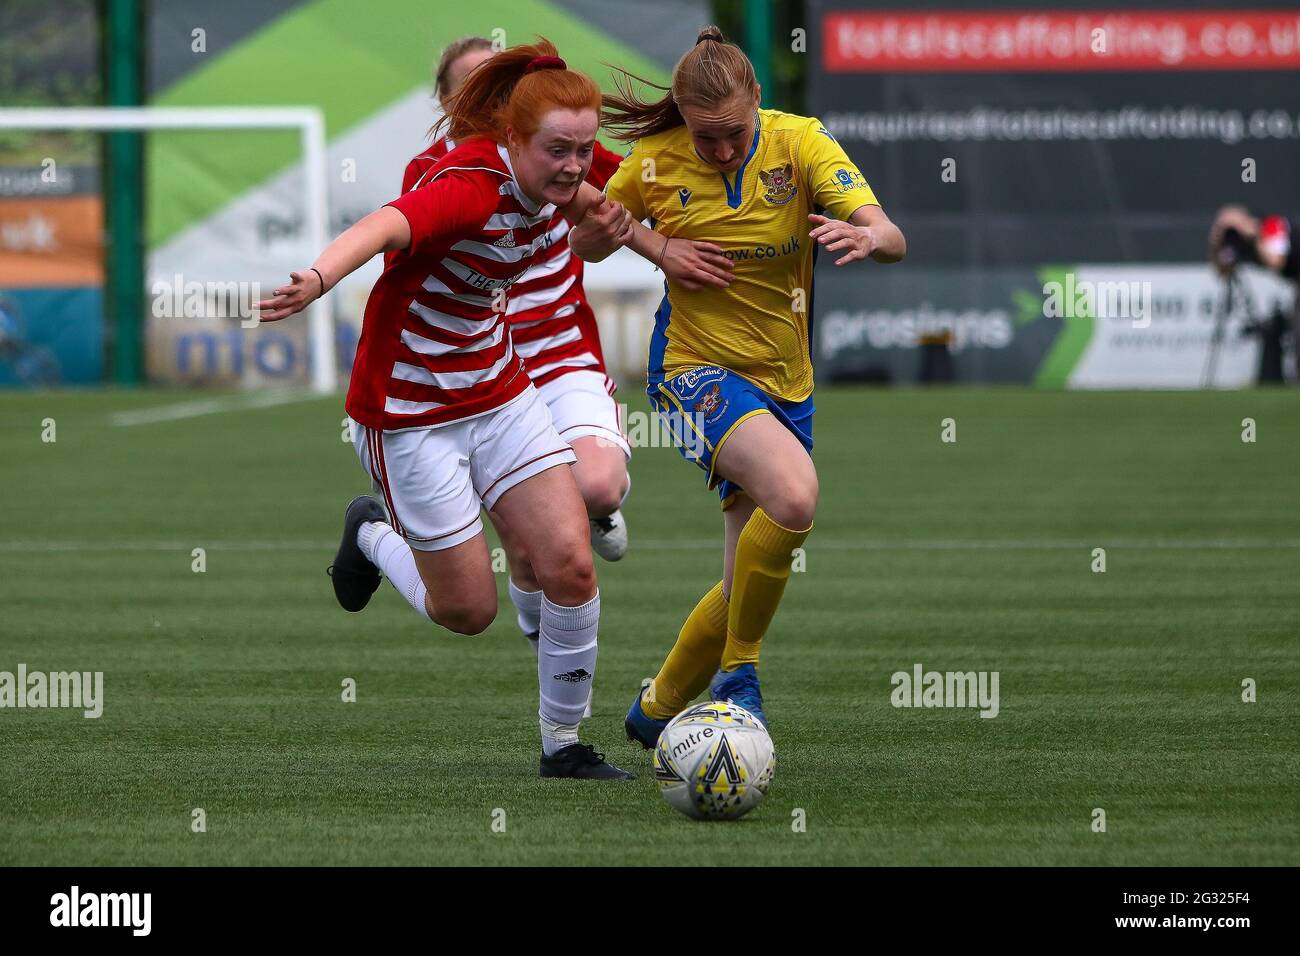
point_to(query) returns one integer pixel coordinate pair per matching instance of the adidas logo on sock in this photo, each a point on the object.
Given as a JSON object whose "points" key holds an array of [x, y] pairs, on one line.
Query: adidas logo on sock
{"points": [[507, 241], [575, 677]]}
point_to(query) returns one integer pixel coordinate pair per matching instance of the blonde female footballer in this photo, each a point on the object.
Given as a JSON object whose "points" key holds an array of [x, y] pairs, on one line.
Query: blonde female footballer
{"points": [[740, 198]]}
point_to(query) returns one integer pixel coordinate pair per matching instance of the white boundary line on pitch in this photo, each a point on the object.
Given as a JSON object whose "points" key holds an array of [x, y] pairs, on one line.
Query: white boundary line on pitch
{"points": [[694, 544], [209, 406]]}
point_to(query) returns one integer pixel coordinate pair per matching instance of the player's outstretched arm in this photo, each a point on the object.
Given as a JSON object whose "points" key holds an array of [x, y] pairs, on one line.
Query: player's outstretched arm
{"points": [[869, 232], [385, 230]]}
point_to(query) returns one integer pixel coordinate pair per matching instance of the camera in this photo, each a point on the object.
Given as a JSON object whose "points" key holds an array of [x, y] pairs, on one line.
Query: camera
{"points": [[1234, 249]]}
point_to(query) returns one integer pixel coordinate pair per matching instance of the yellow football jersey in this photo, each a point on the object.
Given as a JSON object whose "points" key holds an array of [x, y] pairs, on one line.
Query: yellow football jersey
{"points": [[758, 327]]}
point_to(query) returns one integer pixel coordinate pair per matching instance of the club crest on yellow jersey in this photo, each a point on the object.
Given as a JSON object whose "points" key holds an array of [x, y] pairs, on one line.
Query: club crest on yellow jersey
{"points": [[779, 182]]}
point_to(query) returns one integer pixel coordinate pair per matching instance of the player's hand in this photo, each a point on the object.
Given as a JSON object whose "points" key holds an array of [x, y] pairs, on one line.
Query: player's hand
{"points": [[610, 223], [602, 231], [857, 241], [303, 290], [696, 265]]}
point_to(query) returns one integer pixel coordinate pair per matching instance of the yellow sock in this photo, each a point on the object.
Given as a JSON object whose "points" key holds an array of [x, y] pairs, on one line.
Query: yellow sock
{"points": [[764, 555], [692, 660]]}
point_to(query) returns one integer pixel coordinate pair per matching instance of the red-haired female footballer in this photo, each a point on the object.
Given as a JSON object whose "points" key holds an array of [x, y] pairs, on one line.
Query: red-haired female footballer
{"points": [[446, 417]]}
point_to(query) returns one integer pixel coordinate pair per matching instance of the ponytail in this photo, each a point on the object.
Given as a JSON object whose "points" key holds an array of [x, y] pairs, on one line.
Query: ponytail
{"points": [[711, 72]]}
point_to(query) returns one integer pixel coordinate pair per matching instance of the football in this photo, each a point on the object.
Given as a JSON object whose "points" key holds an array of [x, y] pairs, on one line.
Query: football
{"points": [[714, 761]]}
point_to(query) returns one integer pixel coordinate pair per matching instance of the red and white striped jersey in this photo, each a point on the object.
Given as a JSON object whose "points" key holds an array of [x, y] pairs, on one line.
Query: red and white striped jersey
{"points": [[433, 349], [551, 321]]}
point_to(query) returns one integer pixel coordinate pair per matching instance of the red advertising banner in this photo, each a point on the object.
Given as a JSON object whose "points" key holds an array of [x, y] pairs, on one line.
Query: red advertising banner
{"points": [[1051, 41]]}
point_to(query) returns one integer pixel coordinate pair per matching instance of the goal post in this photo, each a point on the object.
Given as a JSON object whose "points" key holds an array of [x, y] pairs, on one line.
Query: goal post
{"points": [[310, 124]]}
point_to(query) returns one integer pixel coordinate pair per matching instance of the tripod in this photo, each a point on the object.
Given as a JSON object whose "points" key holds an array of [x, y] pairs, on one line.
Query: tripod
{"points": [[1235, 295]]}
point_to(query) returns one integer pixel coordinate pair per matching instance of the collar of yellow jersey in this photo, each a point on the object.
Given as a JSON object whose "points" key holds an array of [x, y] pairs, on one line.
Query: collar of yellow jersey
{"points": [[736, 194]]}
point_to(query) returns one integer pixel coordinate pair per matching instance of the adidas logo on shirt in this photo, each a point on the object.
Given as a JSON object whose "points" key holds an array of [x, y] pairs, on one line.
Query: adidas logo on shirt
{"points": [[575, 677], [507, 241]]}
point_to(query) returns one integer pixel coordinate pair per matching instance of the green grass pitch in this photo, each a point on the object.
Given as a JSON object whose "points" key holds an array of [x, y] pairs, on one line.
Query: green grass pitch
{"points": [[1120, 691]]}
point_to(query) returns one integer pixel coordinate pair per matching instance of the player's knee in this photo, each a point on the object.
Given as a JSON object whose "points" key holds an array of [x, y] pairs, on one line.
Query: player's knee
{"points": [[795, 505], [602, 482], [604, 496], [570, 577], [467, 617]]}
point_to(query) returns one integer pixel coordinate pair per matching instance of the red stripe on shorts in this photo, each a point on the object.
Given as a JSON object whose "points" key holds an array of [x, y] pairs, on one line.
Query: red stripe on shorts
{"points": [[377, 459], [531, 461]]}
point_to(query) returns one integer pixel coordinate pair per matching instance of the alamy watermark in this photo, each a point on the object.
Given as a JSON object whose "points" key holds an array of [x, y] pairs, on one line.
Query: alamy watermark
{"points": [[922, 688], [78, 690], [1087, 299], [651, 429], [75, 908], [178, 299]]}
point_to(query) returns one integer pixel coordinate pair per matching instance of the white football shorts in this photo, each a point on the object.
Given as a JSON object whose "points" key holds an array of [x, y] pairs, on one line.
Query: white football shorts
{"points": [[433, 480], [581, 405]]}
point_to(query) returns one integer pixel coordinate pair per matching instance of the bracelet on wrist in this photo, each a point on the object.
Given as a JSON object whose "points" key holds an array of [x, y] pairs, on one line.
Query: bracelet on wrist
{"points": [[662, 252]]}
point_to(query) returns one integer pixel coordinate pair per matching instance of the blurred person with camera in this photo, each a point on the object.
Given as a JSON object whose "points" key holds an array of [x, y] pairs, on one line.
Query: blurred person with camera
{"points": [[1238, 237]]}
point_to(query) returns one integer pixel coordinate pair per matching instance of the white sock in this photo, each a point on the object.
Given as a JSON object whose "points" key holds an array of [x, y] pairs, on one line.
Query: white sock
{"points": [[626, 491], [566, 664], [367, 534], [389, 552], [555, 737], [528, 604]]}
